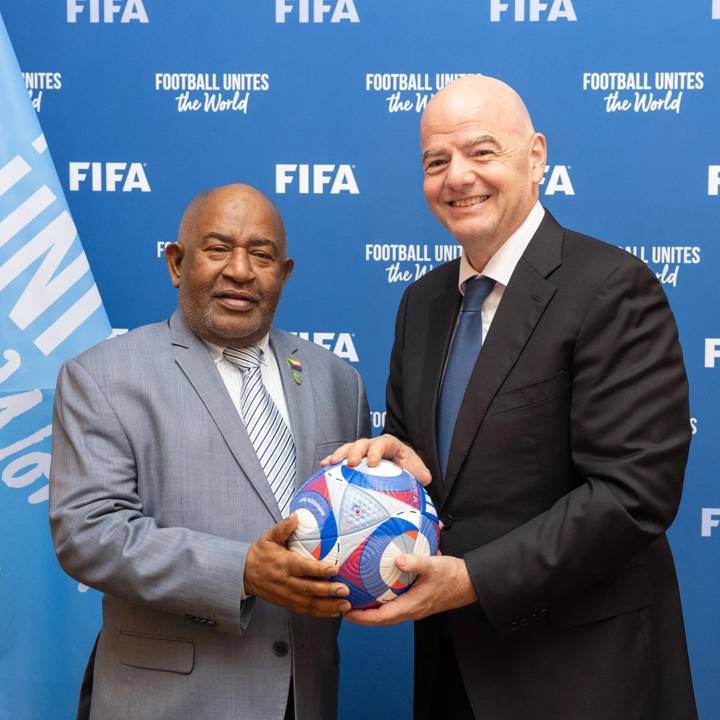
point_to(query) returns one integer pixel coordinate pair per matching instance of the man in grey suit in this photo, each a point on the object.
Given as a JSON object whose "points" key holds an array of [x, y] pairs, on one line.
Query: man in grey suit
{"points": [[161, 497]]}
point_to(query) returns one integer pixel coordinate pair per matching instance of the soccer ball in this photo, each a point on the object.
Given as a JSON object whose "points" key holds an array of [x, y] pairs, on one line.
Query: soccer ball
{"points": [[362, 518]]}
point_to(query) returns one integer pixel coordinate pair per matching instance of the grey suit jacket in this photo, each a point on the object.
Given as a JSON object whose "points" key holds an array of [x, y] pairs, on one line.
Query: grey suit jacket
{"points": [[155, 497]]}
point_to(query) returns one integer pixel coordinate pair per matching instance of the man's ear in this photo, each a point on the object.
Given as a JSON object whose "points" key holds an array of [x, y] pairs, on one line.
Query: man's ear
{"points": [[538, 157], [174, 253], [288, 266]]}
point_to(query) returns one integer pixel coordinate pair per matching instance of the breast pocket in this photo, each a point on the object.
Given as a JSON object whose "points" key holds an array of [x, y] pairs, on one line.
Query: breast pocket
{"points": [[531, 394], [150, 652]]}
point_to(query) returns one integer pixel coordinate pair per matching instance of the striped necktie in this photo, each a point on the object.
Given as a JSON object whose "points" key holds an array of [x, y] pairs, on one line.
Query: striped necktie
{"points": [[462, 357], [265, 426]]}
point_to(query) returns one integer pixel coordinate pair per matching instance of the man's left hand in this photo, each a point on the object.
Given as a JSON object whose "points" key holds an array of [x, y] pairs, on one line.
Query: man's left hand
{"points": [[442, 584]]}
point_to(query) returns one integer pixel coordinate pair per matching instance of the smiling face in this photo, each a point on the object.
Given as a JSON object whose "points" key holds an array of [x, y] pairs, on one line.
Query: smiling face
{"points": [[230, 265], [482, 163]]}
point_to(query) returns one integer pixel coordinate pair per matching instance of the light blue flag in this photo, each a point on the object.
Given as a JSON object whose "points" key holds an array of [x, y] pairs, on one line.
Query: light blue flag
{"points": [[50, 310]]}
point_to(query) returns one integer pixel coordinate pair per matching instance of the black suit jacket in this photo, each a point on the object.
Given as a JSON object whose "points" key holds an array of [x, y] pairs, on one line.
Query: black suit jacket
{"points": [[565, 469]]}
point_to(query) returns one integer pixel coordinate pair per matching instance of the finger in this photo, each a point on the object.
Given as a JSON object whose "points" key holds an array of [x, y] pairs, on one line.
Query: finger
{"points": [[411, 461], [357, 452], [415, 466], [328, 608], [392, 448], [399, 610], [338, 456], [320, 588], [386, 446], [283, 530], [355, 449], [300, 566], [385, 615], [319, 607]]}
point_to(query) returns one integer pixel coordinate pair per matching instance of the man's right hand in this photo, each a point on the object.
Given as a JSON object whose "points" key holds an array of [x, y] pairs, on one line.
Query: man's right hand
{"points": [[287, 579], [375, 449]]}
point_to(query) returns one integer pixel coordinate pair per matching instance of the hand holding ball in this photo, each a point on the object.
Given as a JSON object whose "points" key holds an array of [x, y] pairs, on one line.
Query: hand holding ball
{"points": [[362, 519]]}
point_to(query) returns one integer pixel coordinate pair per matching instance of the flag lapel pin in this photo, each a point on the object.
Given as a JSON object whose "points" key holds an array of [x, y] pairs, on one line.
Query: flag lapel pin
{"points": [[295, 369]]}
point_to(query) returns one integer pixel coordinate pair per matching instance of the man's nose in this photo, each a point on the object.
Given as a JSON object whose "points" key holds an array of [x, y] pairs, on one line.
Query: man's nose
{"points": [[459, 172], [238, 266]]}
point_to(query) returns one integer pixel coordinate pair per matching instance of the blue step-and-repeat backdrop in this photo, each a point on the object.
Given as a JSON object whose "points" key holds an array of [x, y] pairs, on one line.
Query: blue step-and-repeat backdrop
{"points": [[144, 103]]}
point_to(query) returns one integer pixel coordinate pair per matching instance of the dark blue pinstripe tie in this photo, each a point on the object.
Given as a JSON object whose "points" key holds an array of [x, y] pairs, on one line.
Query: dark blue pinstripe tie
{"points": [[462, 357]]}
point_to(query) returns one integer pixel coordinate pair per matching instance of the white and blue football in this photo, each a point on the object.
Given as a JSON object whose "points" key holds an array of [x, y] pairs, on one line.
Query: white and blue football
{"points": [[362, 519]]}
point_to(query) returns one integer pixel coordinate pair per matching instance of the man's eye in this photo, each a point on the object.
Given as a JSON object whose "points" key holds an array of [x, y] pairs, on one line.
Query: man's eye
{"points": [[434, 164]]}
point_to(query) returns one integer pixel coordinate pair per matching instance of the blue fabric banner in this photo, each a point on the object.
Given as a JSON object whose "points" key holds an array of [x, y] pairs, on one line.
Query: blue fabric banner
{"points": [[50, 309]]}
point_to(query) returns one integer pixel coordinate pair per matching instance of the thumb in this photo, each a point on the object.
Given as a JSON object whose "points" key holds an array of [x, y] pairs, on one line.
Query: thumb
{"points": [[283, 530], [411, 563]]}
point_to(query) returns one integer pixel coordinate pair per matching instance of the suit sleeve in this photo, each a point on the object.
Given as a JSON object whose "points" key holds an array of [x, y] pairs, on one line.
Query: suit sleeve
{"points": [[103, 539], [363, 428], [395, 414], [630, 434]]}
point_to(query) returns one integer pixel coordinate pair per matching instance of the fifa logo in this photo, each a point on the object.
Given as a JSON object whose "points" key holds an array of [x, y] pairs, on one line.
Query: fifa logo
{"points": [[712, 351], [534, 10], [556, 180], [340, 178], [108, 176], [714, 178], [340, 9], [710, 519], [341, 344], [104, 11]]}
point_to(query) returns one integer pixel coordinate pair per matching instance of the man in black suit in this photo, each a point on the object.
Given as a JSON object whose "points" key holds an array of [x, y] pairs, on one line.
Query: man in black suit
{"points": [[557, 449]]}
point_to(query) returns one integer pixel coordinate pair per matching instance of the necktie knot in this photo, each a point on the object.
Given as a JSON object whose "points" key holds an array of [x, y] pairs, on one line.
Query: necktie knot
{"points": [[247, 358], [476, 291]]}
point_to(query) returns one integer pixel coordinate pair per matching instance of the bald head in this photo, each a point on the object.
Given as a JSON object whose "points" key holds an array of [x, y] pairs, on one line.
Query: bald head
{"points": [[482, 161], [235, 195], [482, 96]]}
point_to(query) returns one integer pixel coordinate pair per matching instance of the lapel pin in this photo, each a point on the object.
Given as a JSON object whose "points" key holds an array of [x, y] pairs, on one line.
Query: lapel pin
{"points": [[295, 369]]}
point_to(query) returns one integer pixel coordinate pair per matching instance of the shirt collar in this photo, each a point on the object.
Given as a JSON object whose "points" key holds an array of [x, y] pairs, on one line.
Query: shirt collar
{"points": [[217, 352], [502, 264]]}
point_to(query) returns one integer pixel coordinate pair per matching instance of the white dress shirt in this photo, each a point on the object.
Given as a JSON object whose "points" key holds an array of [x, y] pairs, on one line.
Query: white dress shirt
{"points": [[233, 377], [502, 264]]}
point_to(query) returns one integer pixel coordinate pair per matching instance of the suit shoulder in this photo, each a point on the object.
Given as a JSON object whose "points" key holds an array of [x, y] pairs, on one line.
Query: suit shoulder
{"points": [[437, 279], [314, 353], [591, 267], [139, 340], [597, 255]]}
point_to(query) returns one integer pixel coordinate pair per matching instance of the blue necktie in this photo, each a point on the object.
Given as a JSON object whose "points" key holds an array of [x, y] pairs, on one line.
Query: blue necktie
{"points": [[463, 355]]}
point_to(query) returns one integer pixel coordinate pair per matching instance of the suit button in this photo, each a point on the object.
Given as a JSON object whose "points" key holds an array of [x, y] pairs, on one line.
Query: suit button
{"points": [[280, 648], [543, 612], [514, 625], [447, 521]]}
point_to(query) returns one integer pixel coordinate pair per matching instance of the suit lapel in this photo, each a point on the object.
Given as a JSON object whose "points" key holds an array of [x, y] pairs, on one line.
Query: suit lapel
{"points": [[520, 309], [300, 402], [442, 312], [195, 361]]}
